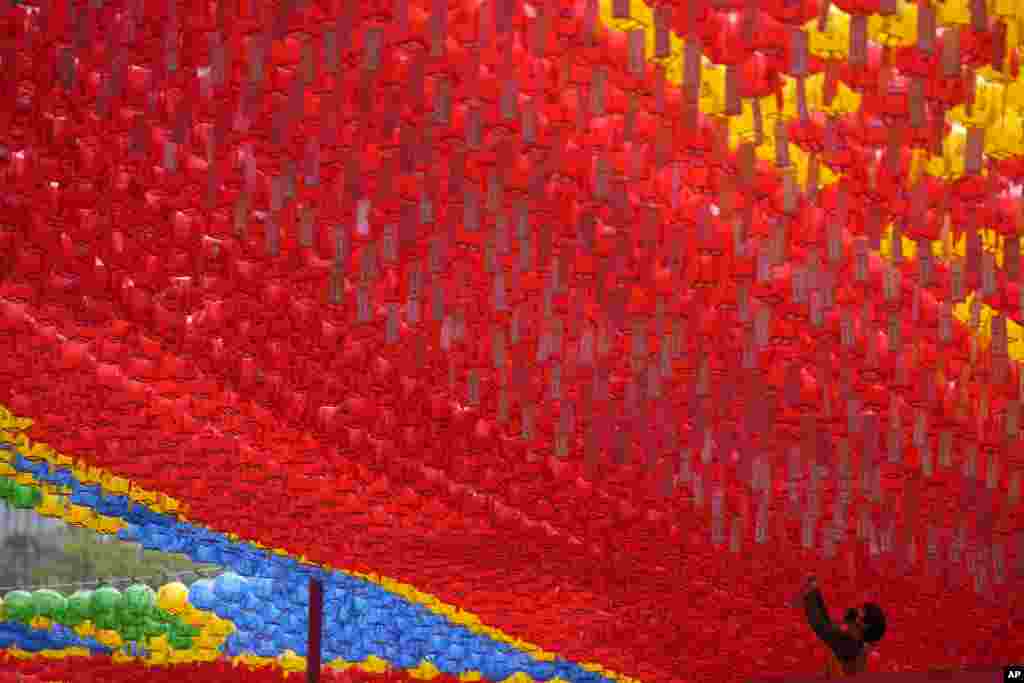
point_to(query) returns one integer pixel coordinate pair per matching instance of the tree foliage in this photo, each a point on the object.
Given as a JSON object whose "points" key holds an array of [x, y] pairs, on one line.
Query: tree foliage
{"points": [[87, 556]]}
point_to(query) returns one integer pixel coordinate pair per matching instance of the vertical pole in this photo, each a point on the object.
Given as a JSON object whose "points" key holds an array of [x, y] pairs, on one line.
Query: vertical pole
{"points": [[316, 615]]}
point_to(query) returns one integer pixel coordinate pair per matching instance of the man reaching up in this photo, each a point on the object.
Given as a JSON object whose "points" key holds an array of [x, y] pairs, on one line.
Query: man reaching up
{"points": [[850, 643]]}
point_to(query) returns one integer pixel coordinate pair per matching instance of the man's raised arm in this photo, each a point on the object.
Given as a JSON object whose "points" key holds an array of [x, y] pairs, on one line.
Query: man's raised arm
{"points": [[842, 644]]}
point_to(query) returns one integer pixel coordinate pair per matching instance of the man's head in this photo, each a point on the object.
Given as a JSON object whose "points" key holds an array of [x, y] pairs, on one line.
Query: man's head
{"points": [[868, 622]]}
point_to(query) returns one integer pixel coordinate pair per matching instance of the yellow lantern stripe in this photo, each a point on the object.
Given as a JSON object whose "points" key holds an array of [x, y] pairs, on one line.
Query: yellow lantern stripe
{"points": [[992, 109]]}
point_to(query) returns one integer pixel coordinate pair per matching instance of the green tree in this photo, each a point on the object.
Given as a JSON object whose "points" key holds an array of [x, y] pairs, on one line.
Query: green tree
{"points": [[87, 556]]}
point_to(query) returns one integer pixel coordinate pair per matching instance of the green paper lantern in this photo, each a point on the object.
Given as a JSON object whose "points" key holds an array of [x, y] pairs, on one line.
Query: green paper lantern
{"points": [[106, 599], [138, 599], [182, 634], [26, 497], [153, 628], [165, 618], [106, 620], [79, 608], [179, 641], [132, 619], [19, 606], [132, 632], [50, 604]]}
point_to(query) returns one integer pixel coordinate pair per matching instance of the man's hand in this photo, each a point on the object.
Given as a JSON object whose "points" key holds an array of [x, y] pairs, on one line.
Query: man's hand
{"points": [[810, 583]]}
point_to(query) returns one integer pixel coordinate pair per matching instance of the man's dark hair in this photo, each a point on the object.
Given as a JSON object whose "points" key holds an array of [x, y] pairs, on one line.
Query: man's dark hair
{"points": [[874, 623]]}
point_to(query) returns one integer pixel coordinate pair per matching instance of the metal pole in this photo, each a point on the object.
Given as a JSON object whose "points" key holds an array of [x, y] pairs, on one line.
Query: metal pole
{"points": [[316, 616]]}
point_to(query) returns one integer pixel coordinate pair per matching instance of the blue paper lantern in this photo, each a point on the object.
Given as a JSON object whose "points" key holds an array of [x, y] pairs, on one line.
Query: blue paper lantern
{"points": [[496, 669], [541, 671], [201, 595], [262, 589], [266, 648], [229, 587], [207, 553]]}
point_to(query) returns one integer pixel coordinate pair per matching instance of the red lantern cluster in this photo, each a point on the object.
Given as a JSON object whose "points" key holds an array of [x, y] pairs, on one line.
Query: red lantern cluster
{"points": [[471, 296]]}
